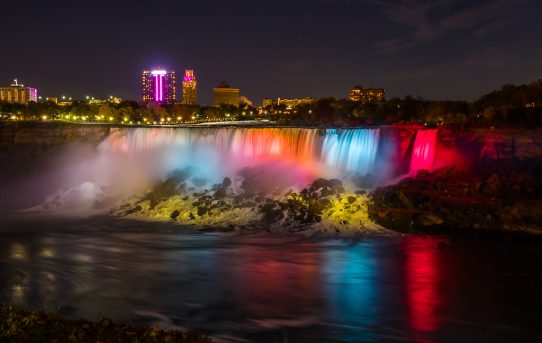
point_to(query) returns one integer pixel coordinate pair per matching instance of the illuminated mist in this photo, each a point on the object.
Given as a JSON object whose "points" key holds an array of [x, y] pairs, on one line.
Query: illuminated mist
{"points": [[131, 160]]}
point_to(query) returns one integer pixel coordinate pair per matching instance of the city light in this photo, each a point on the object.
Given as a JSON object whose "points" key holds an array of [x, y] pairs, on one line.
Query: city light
{"points": [[158, 72]]}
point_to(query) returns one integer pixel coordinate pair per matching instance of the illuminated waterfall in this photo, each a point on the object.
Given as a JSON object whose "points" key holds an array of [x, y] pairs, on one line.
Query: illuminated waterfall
{"points": [[345, 150], [351, 150], [423, 152], [216, 152], [132, 160]]}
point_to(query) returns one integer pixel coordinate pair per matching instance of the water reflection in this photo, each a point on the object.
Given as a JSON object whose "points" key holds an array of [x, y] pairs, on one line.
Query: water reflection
{"points": [[352, 290], [265, 287], [421, 282]]}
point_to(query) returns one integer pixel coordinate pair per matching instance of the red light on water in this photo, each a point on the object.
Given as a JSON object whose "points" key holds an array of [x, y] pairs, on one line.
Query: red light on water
{"points": [[421, 283]]}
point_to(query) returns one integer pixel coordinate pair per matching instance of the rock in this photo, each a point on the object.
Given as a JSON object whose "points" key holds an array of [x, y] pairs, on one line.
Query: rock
{"points": [[430, 220], [318, 184], [181, 175], [220, 193], [174, 214], [202, 210], [135, 209], [162, 191], [366, 181], [191, 216], [324, 203], [271, 213], [351, 199], [199, 182], [336, 185], [226, 182], [404, 200], [423, 174]]}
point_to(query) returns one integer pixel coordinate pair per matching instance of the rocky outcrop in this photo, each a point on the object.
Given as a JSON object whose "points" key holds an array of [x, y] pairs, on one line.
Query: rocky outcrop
{"points": [[322, 207], [493, 196]]}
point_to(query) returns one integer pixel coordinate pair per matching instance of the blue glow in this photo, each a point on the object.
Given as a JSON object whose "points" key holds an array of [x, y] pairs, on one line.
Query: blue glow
{"points": [[352, 150]]}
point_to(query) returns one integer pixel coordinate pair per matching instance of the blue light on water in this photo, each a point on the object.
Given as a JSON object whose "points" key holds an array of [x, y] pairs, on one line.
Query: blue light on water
{"points": [[350, 273]]}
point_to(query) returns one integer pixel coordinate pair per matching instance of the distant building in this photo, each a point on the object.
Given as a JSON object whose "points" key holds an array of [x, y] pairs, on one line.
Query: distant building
{"points": [[289, 103], [159, 86], [189, 88], [224, 94], [364, 95], [243, 100], [267, 102], [18, 93]]}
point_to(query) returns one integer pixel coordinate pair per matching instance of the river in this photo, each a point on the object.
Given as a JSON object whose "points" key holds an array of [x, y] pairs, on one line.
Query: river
{"points": [[265, 287]]}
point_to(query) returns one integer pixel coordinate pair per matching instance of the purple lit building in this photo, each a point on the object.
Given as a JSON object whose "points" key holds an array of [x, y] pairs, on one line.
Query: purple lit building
{"points": [[18, 93], [158, 85]]}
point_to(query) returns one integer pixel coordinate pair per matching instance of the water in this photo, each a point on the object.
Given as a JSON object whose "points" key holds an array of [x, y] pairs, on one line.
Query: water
{"points": [[275, 288], [423, 152]]}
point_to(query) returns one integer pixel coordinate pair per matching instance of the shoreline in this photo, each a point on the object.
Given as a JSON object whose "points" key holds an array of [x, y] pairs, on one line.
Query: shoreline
{"points": [[24, 324]]}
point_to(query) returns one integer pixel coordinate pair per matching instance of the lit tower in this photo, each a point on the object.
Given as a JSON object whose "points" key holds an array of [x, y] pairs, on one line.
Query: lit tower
{"points": [[158, 85], [189, 88]]}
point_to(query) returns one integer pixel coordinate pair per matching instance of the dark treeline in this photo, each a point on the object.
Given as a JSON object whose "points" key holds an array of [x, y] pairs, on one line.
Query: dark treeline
{"points": [[510, 106]]}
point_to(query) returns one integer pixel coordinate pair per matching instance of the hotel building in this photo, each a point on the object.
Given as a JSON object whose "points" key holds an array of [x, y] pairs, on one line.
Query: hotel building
{"points": [[189, 88], [158, 85], [224, 94], [18, 93], [365, 95]]}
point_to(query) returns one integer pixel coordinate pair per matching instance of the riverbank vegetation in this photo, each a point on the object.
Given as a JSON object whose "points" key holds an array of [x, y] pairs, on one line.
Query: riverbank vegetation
{"points": [[31, 325]]}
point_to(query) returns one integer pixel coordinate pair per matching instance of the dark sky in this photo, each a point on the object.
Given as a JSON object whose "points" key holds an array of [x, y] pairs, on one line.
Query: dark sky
{"points": [[437, 49]]}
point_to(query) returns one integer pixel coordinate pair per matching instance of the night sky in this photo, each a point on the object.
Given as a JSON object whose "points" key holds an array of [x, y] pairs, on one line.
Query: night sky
{"points": [[436, 49]]}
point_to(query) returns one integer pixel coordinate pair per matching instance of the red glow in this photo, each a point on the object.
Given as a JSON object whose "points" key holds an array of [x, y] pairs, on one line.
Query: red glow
{"points": [[269, 285], [421, 283], [423, 153]]}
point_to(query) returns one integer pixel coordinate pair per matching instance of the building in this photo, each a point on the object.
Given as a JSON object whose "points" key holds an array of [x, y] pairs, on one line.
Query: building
{"points": [[190, 96], [18, 93], [365, 95], [289, 103], [158, 85], [267, 102], [224, 94]]}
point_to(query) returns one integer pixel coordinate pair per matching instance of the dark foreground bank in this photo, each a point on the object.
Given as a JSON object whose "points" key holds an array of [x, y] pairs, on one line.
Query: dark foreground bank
{"points": [[24, 325]]}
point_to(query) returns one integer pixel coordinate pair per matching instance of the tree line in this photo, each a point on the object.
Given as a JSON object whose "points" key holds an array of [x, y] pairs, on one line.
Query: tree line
{"points": [[510, 106]]}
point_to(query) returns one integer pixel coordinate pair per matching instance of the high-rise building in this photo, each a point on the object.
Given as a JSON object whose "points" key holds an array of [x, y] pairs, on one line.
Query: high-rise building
{"points": [[364, 95], [224, 94], [189, 88], [18, 93], [158, 85]]}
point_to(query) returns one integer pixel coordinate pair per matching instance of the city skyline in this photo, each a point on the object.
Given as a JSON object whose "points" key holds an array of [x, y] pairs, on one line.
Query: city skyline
{"points": [[436, 50]]}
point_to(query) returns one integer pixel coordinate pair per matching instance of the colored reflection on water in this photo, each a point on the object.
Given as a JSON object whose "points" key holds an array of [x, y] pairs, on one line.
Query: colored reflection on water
{"points": [[421, 283], [273, 288], [352, 291]]}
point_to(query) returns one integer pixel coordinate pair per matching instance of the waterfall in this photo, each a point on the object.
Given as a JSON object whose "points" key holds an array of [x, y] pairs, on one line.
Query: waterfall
{"points": [[131, 161], [351, 150], [341, 150], [423, 152]]}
